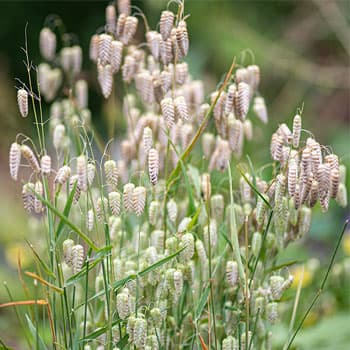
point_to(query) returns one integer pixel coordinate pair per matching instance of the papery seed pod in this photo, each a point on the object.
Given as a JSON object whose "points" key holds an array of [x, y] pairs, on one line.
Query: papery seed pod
{"points": [[229, 343], [28, 154], [230, 96], [62, 175], [77, 59], [120, 24], [144, 86], [232, 273], [114, 202], [66, 59], [323, 178], [22, 101], [111, 18], [124, 7], [58, 136], [210, 234], [248, 129], [82, 172], [172, 210], [285, 132], [74, 179], [242, 100], [208, 143], [130, 27], [287, 283], [181, 107], [245, 189], [306, 166], [38, 191], [47, 44], [332, 160], [178, 282], [90, 220], [166, 79], [154, 212], [342, 197], [168, 111], [105, 78], [186, 242], [166, 51], [91, 170], [153, 165], [139, 200], [261, 209], [130, 328], [304, 221], [305, 189], [297, 196], [277, 148], [182, 38], [217, 206], [128, 196], [181, 73], [140, 333], [205, 186], [129, 68], [67, 246], [81, 91], [254, 76], [116, 55], [296, 130], [14, 160], [93, 49], [260, 109], [111, 172], [28, 197], [45, 165], [123, 305], [166, 24], [292, 176], [272, 312], [77, 258], [276, 283], [334, 185], [147, 139], [280, 188], [101, 208], [235, 135], [256, 244], [153, 40], [324, 201], [316, 157], [104, 48], [313, 193]]}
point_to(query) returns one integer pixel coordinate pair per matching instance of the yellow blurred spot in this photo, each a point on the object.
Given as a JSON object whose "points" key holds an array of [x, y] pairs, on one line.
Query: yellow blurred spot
{"points": [[11, 254], [346, 243], [311, 319], [298, 274]]}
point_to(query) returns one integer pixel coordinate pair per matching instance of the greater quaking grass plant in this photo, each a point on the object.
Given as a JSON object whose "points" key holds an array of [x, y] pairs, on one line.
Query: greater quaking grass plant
{"points": [[173, 244]]}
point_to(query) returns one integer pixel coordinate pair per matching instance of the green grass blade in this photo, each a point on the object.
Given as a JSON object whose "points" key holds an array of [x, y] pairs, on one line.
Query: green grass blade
{"points": [[202, 302], [34, 333], [99, 331]]}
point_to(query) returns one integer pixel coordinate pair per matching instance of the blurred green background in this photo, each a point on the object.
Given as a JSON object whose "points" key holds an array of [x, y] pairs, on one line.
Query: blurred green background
{"points": [[303, 50]]}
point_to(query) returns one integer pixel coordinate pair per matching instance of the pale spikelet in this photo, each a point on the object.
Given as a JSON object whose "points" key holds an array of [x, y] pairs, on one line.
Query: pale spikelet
{"points": [[277, 147], [306, 165], [313, 193], [124, 7], [58, 136], [323, 178], [116, 55], [154, 212], [166, 24], [139, 200], [242, 100], [93, 48], [172, 210], [111, 17], [28, 196], [256, 244], [14, 160], [305, 189], [210, 234], [67, 246], [153, 165], [130, 27], [202, 255], [261, 209], [45, 165], [235, 134], [316, 157], [129, 68], [229, 343], [153, 40], [104, 48], [168, 111], [182, 38], [74, 179], [332, 160], [334, 185], [342, 197], [187, 242], [186, 135], [147, 139], [260, 109], [284, 131], [276, 283], [205, 186], [166, 51], [272, 312], [22, 101], [76, 59], [39, 191], [296, 130], [29, 156], [280, 188], [77, 258], [82, 172], [245, 189], [47, 44], [248, 129], [62, 175], [232, 273], [140, 333], [111, 172], [120, 24], [254, 76], [217, 205], [181, 73], [181, 107], [144, 86], [178, 283], [114, 199], [292, 176], [123, 305], [230, 96], [91, 171], [287, 283], [324, 201], [208, 143], [101, 208], [105, 78], [90, 220], [165, 78], [304, 222], [81, 92]]}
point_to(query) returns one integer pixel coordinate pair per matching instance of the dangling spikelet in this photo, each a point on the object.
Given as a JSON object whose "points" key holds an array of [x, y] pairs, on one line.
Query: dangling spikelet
{"points": [[296, 130], [105, 78], [77, 258], [172, 210], [104, 48], [256, 244], [63, 174], [45, 165], [140, 333], [114, 202], [182, 38], [166, 51], [101, 208], [124, 7], [91, 170], [165, 78], [313, 193], [111, 18], [248, 129], [272, 312], [166, 24], [81, 92], [111, 172], [28, 154], [123, 305], [28, 196], [205, 186], [306, 166], [77, 59], [58, 136], [235, 135], [116, 55], [323, 178], [22, 101], [334, 186], [305, 189], [93, 49], [153, 40], [129, 68], [208, 142], [277, 147], [47, 44], [168, 111], [342, 196], [181, 107], [276, 283], [147, 139], [67, 246], [232, 273], [241, 102], [292, 176], [178, 283], [14, 160], [260, 109], [139, 200], [153, 165], [128, 196], [82, 172], [153, 212], [230, 96], [90, 220], [39, 190], [120, 24], [74, 179], [304, 222], [130, 27], [187, 242]]}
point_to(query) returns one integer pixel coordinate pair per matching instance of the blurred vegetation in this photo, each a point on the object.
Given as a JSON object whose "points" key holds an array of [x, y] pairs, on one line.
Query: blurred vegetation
{"points": [[303, 50]]}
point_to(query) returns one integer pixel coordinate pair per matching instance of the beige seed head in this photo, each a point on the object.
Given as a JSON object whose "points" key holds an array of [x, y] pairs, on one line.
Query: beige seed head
{"points": [[129, 68], [230, 96], [120, 24], [101, 208], [28, 196], [166, 24], [82, 172], [187, 242], [90, 220], [168, 111], [111, 172], [93, 49], [14, 160], [181, 107], [128, 196], [45, 165], [76, 59], [208, 144], [130, 27], [28, 154], [58, 136], [172, 210], [77, 258], [47, 44], [116, 55], [104, 48], [39, 191], [147, 139], [181, 73], [105, 78], [91, 170], [154, 214], [124, 7], [182, 39], [235, 134], [313, 193], [296, 130], [139, 200], [334, 186], [22, 100], [260, 109], [248, 129], [232, 273], [166, 51], [81, 93], [206, 186], [153, 40], [153, 165], [63, 174], [254, 76], [292, 176], [242, 100], [67, 246], [72, 181], [114, 202], [111, 17]]}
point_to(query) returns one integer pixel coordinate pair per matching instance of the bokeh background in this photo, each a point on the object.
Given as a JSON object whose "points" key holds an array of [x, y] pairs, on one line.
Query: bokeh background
{"points": [[303, 49]]}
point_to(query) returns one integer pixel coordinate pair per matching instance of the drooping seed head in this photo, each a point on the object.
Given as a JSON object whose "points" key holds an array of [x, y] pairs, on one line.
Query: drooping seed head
{"points": [[22, 100], [166, 24], [45, 165], [47, 44], [14, 160]]}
